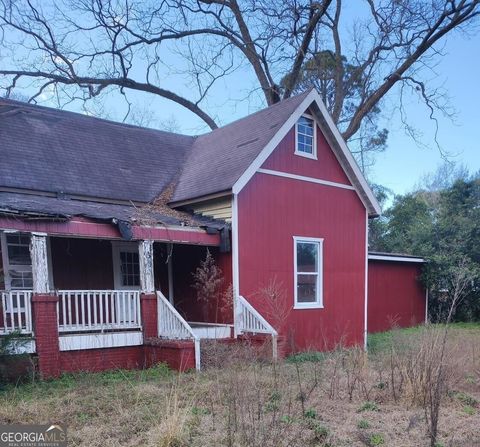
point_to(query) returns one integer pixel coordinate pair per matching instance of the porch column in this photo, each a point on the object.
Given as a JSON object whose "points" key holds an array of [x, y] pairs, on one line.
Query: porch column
{"points": [[44, 310], [148, 297]]}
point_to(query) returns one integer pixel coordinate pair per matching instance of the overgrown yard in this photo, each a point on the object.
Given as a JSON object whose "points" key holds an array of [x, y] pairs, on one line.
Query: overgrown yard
{"points": [[339, 399]]}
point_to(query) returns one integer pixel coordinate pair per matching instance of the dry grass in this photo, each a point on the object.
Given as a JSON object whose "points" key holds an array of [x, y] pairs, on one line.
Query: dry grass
{"points": [[343, 398]]}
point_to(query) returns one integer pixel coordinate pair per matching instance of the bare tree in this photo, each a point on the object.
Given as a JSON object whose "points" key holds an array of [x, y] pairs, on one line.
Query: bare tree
{"points": [[81, 49]]}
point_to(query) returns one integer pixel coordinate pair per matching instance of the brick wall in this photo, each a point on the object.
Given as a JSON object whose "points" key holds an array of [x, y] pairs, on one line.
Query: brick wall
{"points": [[149, 314], [45, 326], [92, 360], [178, 355]]}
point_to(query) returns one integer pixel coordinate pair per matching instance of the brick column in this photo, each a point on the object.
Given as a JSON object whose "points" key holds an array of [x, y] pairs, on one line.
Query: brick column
{"points": [[45, 326], [148, 303]]}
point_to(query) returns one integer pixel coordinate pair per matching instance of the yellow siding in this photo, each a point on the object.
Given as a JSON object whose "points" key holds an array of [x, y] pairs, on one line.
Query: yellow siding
{"points": [[216, 208]]}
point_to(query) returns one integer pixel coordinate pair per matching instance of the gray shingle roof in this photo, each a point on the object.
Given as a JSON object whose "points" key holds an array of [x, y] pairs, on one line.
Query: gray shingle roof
{"points": [[53, 150]]}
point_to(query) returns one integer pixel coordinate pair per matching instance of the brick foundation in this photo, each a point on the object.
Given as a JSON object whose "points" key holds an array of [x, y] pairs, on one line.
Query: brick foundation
{"points": [[179, 355], [94, 360], [45, 326]]}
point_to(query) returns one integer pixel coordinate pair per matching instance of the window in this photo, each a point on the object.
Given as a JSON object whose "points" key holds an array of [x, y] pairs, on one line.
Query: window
{"points": [[308, 262], [305, 137], [16, 261], [126, 265]]}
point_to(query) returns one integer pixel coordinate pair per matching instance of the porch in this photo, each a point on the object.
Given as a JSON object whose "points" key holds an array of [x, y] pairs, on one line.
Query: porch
{"points": [[139, 291]]}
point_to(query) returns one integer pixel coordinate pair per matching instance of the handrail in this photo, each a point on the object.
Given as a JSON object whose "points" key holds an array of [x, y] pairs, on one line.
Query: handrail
{"points": [[172, 325], [251, 321]]}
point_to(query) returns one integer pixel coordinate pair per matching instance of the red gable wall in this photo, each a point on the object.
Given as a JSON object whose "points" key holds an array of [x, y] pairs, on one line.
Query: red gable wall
{"points": [[271, 211], [283, 159]]}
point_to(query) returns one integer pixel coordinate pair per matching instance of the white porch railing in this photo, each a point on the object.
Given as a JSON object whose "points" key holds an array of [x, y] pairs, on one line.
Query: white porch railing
{"points": [[172, 325], [98, 310], [16, 311], [249, 320]]}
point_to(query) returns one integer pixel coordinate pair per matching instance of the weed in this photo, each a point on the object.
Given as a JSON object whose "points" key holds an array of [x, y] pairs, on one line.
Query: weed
{"points": [[287, 419], [320, 431], [363, 424], [308, 356], [377, 439], [199, 411], [368, 406], [466, 399], [310, 414], [469, 410]]}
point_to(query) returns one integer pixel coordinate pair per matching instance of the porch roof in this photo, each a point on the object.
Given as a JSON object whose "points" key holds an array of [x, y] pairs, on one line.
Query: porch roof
{"points": [[53, 214]]}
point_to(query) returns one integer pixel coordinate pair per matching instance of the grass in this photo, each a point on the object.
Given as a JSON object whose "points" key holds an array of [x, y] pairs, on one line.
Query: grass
{"points": [[312, 399]]}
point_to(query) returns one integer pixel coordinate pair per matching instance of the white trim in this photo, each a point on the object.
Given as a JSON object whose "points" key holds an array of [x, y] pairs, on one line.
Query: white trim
{"points": [[426, 305], [318, 304], [313, 155], [39, 259], [170, 273], [96, 341], [365, 329], [272, 144], [313, 97], [117, 247], [305, 179], [23, 346], [235, 264], [395, 258], [145, 261]]}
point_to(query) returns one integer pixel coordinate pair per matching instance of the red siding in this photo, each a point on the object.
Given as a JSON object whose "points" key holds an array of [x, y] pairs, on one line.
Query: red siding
{"points": [[186, 259], [327, 167], [82, 263], [271, 211], [396, 297]]}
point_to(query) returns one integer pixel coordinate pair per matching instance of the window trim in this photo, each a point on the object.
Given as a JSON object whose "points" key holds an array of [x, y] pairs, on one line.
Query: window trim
{"points": [[7, 265], [117, 247], [23, 268], [313, 155], [318, 303]]}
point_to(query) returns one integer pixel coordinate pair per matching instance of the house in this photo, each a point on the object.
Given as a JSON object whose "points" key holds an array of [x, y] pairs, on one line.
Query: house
{"points": [[102, 225]]}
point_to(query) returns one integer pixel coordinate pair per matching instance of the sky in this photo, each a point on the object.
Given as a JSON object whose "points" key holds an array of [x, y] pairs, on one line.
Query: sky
{"points": [[404, 163], [398, 168]]}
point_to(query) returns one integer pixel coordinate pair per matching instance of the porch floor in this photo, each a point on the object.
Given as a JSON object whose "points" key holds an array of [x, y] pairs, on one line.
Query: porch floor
{"points": [[211, 330]]}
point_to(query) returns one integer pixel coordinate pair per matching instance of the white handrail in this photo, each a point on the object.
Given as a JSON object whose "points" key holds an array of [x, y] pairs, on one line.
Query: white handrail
{"points": [[98, 310], [172, 325], [16, 311], [251, 321]]}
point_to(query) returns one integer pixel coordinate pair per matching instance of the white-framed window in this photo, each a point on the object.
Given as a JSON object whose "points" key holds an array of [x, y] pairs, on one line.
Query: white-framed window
{"points": [[126, 265], [308, 272], [17, 264], [306, 137]]}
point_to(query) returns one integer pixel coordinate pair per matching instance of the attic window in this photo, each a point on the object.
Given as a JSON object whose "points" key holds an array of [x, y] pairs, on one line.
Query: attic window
{"points": [[305, 137]]}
